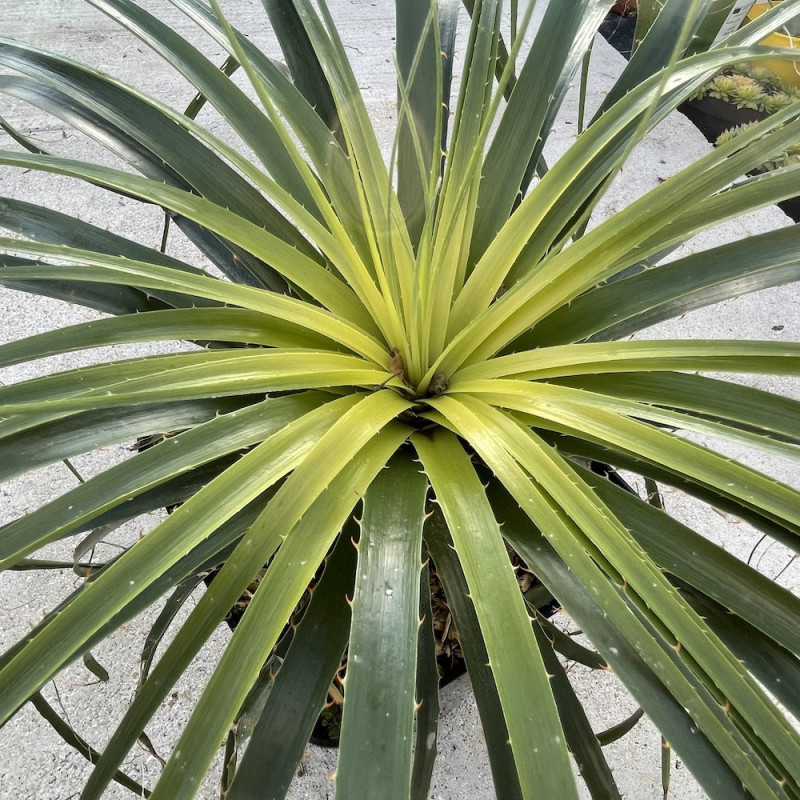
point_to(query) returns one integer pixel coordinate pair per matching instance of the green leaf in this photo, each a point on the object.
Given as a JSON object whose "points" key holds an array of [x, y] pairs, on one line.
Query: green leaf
{"points": [[582, 742], [289, 574], [249, 122], [165, 618], [95, 667], [192, 375], [777, 668], [765, 414], [145, 134], [424, 59], [616, 732], [300, 687], [303, 61], [703, 466], [700, 563], [617, 309], [501, 612], [379, 701], [563, 35], [448, 568], [108, 298], [60, 640], [229, 325], [150, 694], [75, 741], [602, 541], [658, 355], [578, 597], [328, 157], [656, 50], [286, 259], [48, 442], [113, 269], [175, 456], [427, 683]]}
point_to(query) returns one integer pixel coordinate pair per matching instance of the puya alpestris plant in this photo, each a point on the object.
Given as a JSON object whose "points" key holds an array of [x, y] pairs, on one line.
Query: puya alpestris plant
{"points": [[436, 349]]}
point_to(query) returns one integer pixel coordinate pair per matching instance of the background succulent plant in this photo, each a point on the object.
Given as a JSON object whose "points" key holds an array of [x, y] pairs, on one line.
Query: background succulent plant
{"points": [[746, 86]]}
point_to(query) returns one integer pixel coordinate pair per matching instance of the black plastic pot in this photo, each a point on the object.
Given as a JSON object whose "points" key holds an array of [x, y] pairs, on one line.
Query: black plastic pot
{"points": [[712, 117]]}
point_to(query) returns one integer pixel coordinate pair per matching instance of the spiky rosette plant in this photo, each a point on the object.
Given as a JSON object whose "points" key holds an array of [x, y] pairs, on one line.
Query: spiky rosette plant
{"points": [[436, 349]]}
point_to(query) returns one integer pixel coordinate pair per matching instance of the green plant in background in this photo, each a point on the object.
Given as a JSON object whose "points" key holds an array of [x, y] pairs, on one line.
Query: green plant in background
{"points": [[787, 156], [434, 349], [746, 86]]}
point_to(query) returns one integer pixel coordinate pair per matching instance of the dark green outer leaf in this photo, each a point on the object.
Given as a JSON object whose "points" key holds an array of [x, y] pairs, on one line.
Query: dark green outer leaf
{"points": [[303, 61], [176, 601], [657, 49], [618, 309], [95, 667], [578, 55], [241, 113], [304, 272], [699, 755], [244, 267], [81, 745], [744, 196], [427, 716], [425, 104], [616, 732], [175, 456], [563, 35], [44, 225], [134, 129], [692, 558], [379, 701], [208, 554], [566, 646], [19, 138], [301, 684], [782, 531], [165, 495], [204, 557], [501, 759], [581, 740], [777, 668], [109, 298], [750, 409]]}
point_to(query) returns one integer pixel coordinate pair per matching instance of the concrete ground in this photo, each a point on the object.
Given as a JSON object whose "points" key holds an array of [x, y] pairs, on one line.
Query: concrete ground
{"points": [[34, 763]]}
